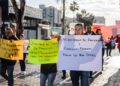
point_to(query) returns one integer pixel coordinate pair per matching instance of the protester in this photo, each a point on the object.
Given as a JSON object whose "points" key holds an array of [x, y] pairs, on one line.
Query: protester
{"points": [[98, 32], [48, 72], [75, 75], [113, 42], [89, 32], [118, 41], [109, 47], [23, 62], [8, 65]]}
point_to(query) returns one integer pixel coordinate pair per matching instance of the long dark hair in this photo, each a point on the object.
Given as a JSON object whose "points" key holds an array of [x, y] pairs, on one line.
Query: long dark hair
{"points": [[97, 31]]}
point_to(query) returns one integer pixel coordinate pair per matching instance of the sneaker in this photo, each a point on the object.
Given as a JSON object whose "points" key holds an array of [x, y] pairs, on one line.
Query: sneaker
{"points": [[23, 73]]}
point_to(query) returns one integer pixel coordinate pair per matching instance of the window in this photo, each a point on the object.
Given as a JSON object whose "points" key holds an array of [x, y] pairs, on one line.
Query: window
{"points": [[32, 34], [25, 34], [28, 22], [44, 33]]}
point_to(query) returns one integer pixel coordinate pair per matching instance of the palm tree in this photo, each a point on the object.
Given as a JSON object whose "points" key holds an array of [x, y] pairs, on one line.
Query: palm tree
{"points": [[63, 16], [74, 7], [85, 17]]}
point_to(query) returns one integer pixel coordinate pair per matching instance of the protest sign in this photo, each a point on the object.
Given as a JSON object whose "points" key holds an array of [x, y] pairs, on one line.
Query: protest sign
{"points": [[82, 52], [11, 50], [43, 51]]}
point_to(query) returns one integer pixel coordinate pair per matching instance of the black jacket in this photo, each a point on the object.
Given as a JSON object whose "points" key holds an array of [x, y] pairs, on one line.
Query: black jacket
{"points": [[90, 33], [48, 68]]}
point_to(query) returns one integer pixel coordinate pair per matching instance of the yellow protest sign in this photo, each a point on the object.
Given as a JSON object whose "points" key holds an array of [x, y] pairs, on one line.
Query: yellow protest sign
{"points": [[43, 51], [11, 50]]}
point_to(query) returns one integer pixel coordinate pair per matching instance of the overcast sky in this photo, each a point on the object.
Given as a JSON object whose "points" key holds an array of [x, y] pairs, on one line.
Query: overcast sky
{"points": [[110, 9]]}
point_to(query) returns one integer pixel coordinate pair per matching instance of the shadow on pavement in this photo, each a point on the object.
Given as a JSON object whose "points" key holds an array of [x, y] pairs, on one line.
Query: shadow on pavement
{"points": [[114, 80], [22, 76], [95, 75]]}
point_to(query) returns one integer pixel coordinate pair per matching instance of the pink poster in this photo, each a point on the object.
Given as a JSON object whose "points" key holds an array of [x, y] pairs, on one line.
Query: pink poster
{"points": [[118, 26]]}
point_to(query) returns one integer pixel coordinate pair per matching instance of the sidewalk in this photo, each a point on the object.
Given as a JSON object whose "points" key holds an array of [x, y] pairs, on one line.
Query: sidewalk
{"points": [[31, 78], [111, 74], [109, 77]]}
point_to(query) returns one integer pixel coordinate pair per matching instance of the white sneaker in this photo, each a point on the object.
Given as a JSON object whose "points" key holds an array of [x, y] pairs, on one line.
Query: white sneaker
{"points": [[23, 73]]}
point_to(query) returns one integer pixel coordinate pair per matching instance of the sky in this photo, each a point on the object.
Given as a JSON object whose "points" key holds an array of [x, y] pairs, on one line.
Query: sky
{"points": [[110, 9]]}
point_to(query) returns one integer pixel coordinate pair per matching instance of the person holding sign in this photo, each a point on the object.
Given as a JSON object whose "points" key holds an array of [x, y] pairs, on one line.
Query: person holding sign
{"points": [[75, 75], [8, 65], [23, 62], [98, 32], [90, 32], [48, 71]]}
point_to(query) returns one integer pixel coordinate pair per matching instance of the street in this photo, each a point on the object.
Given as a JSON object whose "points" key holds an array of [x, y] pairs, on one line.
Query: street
{"points": [[109, 77]]}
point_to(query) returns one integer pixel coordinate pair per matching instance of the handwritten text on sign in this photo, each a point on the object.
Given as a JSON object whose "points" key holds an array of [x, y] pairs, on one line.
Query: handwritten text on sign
{"points": [[81, 52], [11, 50], [43, 51]]}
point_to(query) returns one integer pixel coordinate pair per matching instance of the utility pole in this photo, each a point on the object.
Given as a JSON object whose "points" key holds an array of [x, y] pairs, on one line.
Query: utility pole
{"points": [[119, 3], [63, 19], [4, 9]]}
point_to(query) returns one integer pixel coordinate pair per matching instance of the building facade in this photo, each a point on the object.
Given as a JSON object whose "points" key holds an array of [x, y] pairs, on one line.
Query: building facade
{"points": [[52, 15]]}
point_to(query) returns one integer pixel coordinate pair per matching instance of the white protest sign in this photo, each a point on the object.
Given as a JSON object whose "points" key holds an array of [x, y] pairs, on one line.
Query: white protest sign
{"points": [[80, 52]]}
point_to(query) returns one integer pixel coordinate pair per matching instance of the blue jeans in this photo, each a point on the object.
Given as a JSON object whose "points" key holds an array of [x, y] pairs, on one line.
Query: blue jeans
{"points": [[84, 75], [9, 76], [49, 76]]}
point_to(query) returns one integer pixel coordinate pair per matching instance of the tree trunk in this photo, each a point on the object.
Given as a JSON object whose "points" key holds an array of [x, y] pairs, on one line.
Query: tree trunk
{"points": [[19, 24], [19, 16]]}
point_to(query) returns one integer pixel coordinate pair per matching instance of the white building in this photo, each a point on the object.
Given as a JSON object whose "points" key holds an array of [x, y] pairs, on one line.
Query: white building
{"points": [[57, 17], [51, 14], [99, 20]]}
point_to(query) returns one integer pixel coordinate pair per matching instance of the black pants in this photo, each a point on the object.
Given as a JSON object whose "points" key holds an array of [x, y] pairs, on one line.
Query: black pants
{"points": [[108, 50], [64, 73], [9, 76], [103, 52], [23, 62]]}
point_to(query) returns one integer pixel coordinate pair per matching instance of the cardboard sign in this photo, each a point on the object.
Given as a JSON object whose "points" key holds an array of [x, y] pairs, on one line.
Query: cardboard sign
{"points": [[82, 52], [43, 51], [11, 50]]}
